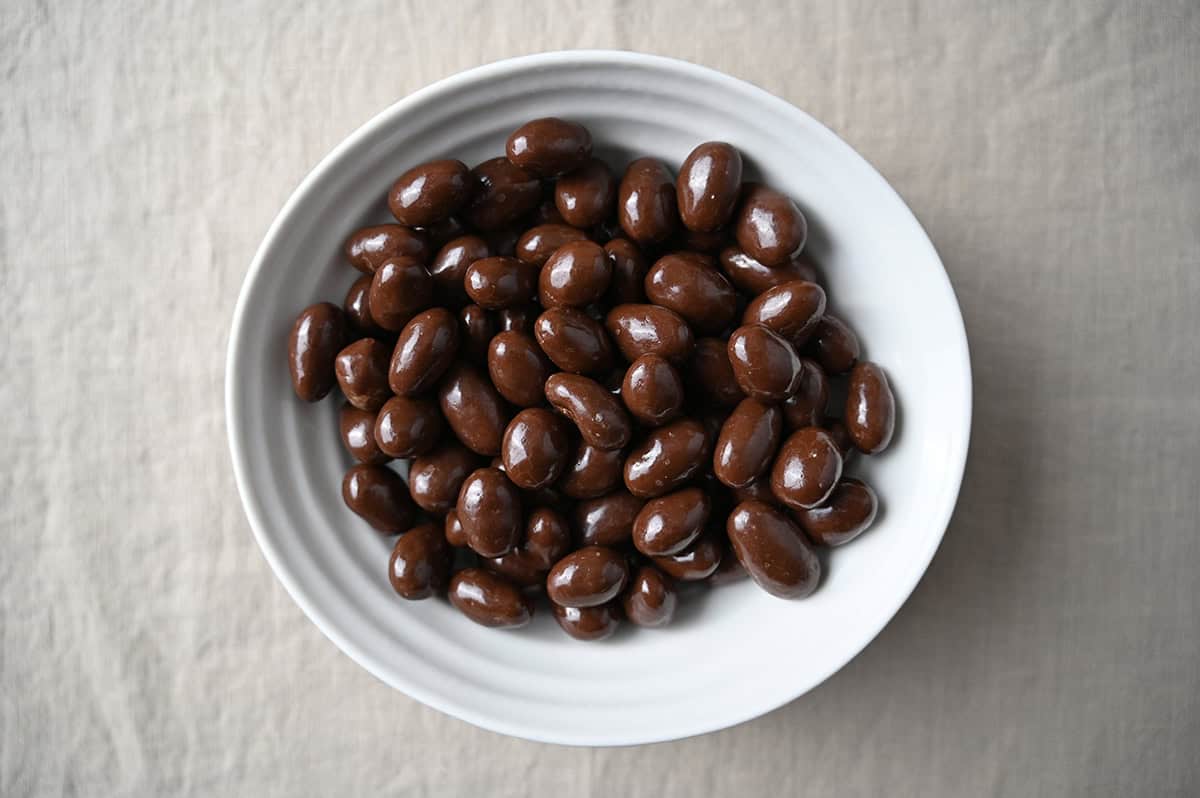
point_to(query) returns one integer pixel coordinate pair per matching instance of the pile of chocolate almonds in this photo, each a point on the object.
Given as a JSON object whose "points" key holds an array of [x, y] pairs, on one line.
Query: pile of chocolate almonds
{"points": [[604, 385]]}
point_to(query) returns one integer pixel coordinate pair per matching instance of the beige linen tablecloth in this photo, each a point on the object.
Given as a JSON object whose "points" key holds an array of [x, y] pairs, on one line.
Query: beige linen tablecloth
{"points": [[1051, 151]]}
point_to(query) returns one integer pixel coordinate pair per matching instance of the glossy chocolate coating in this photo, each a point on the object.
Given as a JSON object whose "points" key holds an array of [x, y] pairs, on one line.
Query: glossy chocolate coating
{"points": [[729, 571], [430, 192], [646, 202], [519, 318], [698, 561], [628, 285], [587, 196], [576, 275], [587, 623], [420, 563], [688, 285], [650, 598], [476, 327], [379, 496], [870, 408], [357, 428], [425, 349], [357, 306], [518, 567], [834, 345], [607, 520], [518, 368], [489, 509], [758, 490], [773, 550], [489, 599], [361, 370], [706, 243], [573, 340], [369, 247], [587, 577], [649, 329], [547, 537], [549, 146], [434, 479], [710, 373], [668, 457], [439, 233], [709, 185], [806, 407], [449, 267], [473, 409], [592, 472], [597, 414], [806, 469], [537, 244], [652, 390], [768, 226], [400, 288], [669, 524], [752, 277], [546, 213], [503, 194], [846, 514], [407, 427], [535, 448], [747, 443], [841, 437], [317, 336], [791, 309], [455, 535], [765, 365], [500, 282]]}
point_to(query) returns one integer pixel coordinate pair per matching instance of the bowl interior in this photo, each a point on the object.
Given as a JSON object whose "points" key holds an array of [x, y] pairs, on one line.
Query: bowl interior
{"points": [[735, 651]]}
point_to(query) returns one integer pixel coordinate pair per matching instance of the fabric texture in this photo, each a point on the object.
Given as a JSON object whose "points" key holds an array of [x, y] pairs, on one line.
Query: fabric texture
{"points": [[1050, 150]]}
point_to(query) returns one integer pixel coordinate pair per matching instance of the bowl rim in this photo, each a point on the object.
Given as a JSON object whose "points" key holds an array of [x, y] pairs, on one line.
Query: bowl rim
{"points": [[498, 69]]}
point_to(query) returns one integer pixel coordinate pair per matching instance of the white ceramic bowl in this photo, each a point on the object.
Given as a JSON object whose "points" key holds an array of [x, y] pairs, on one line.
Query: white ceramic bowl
{"points": [[734, 652]]}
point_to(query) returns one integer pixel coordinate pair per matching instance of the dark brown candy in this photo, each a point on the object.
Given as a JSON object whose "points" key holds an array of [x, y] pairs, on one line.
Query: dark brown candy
{"points": [[357, 306], [607, 520], [629, 272], [313, 345], [587, 196], [597, 414], [646, 202], [378, 495], [650, 598], [758, 490], [362, 373], [501, 282], [588, 577], [537, 244], [708, 186], [449, 267], [475, 412], [425, 349], [698, 561], [846, 514], [773, 550], [576, 275], [591, 472], [489, 599], [806, 469], [477, 327], [357, 428], [806, 407], [791, 309], [368, 248], [434, 479], [841, 437], [747, 443], [652, 390], [710, 373], [834, 345], [573, 340], [587, 623], [430, 192], [550, 146], [649, 330], [535, 448], [420, 563], [690, 286], [668, 457], [669, 524], [547, 537], [400, 288], [765, 365], [489, 509], [453, 530], [752, 277], [518, 368], [870, 408], [768, 225], [503, 194], [407, 427], [518, 318]]}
